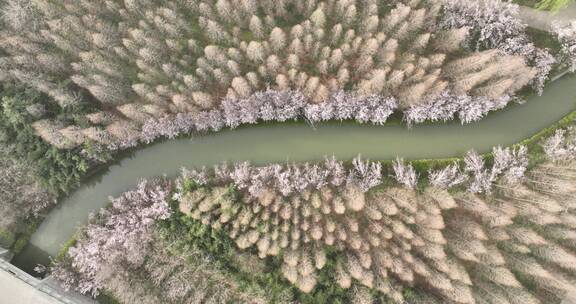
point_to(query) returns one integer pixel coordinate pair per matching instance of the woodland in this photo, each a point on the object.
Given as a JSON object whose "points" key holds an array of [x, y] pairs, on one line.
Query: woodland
{"points": [[480, 231], [138, 70], [82, 82]]}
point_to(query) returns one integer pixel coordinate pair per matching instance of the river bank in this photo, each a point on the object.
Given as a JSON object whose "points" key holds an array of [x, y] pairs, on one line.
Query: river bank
{"points": [[296, 143]]}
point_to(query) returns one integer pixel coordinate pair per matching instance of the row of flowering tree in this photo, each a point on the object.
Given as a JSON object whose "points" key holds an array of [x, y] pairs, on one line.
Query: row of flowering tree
{"points": [[502, 233], [229, 62]]}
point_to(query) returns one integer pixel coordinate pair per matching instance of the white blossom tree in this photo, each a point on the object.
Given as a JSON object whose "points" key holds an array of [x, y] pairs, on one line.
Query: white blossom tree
{"points": [[366, 174], [404, 173], [509, 162], [481, 178], [121, 231], [560, 146], [495, 24], [447, 177], [566, 34]]}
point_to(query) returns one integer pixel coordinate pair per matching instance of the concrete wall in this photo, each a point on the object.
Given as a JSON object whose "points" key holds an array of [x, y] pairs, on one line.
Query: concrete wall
{"points": [[18, 287], [5, 254]]}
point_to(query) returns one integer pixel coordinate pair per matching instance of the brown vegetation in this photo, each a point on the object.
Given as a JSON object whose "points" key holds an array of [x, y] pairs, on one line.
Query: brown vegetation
{"points": [[143, 60], [516, 243]]}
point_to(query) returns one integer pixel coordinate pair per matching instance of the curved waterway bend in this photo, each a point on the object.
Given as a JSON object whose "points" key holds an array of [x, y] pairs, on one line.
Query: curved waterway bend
{"points": [[297, 142]]}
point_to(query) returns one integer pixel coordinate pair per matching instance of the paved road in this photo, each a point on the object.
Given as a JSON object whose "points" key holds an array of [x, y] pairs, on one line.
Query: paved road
{"points": [[24, 289], [542, 20], [15, 291], [18, 287]]}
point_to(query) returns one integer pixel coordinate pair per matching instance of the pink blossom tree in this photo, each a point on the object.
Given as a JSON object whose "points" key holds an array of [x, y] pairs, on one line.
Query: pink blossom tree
{"points": [[120, 233]]}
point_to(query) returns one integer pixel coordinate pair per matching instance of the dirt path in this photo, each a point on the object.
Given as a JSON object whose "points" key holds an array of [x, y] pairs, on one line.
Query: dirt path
{"points": [[542, 20]]}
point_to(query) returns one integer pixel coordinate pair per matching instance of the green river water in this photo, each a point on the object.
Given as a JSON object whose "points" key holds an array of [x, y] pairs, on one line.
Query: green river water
{"points": [[296, 142]]}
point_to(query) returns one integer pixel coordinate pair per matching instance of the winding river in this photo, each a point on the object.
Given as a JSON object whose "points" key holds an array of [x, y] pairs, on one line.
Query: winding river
{"points": [[296, 142]]}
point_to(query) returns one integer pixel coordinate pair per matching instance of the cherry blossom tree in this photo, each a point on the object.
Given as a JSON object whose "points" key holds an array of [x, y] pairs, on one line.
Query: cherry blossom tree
{"points": [[491, 22], [404, 173], [447, 177], [21, 194], [120, 232], [366, 174], [566, 34], [510, 163], [560, 146], [447, 106], [495, 24], [481, 177]]}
